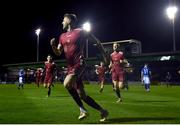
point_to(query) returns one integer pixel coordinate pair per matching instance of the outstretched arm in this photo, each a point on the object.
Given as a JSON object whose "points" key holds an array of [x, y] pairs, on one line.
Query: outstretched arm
{"points": [[106, 59], [125, 61], [96, 71], [57, 50]]}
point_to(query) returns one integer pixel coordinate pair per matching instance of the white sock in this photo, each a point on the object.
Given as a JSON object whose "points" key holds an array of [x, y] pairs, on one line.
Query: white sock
{"points": [[82, 109]]}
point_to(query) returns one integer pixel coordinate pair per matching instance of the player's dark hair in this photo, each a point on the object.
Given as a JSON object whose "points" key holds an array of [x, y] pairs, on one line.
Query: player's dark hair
{"points": [[73, 19]]}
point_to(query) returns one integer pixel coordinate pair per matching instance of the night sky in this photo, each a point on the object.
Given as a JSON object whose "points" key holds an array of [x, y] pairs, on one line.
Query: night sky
{"points": [[144, 20]]}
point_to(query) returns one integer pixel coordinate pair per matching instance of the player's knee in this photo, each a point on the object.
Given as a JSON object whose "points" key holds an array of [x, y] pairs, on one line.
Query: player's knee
{"points": [[45, 86], [67, 85], [49, 85], [121, 86]]}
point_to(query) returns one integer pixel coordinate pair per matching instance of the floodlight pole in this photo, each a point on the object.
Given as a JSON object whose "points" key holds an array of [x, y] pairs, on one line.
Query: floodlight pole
{"points": [[174, 38], [38, 48], [87, 28], [171, 12], [87, 54], [37, 33]]}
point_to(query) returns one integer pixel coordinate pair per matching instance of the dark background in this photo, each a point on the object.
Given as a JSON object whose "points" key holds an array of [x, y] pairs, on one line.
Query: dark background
{"points": [[144, 20]]}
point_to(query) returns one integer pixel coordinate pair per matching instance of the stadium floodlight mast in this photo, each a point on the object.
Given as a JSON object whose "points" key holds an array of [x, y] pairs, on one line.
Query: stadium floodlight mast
{"points": [[37, 31], [87, 28], [171, 13]]}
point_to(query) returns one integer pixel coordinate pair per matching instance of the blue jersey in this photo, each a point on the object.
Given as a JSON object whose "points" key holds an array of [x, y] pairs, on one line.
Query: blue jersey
{"points": [[145, 71], [21, 73]]}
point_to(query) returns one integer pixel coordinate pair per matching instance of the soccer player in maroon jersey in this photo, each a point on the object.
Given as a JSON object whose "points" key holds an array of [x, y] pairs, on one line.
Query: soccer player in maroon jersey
{"points": [[100, 71], [116, 66], [39, 75], [72, 42], [49, 72]]}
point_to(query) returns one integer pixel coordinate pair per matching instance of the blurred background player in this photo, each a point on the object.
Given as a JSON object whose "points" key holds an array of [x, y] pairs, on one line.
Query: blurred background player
{"points": [[168, 79], [72, 42], [100, 71], [145, 77], [21, 79], [39, 75], [49, 73], [116, 66], [125, 82]]}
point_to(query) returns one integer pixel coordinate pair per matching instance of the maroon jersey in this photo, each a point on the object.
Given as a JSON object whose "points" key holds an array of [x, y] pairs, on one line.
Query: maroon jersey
{"points": [[73, 45], [117, 68], [49, 71], [49, 68], [101, 71], [115, 58], [38, 73]]}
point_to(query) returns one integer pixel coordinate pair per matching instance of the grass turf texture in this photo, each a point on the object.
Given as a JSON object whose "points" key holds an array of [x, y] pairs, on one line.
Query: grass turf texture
{"points": [[30, 106]]}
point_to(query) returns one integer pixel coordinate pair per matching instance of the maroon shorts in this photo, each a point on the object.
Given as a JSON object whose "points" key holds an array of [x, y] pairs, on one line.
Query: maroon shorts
{"points": [[101, 79], [38, 80], [118, 76], [48, 79], [78, 71]]}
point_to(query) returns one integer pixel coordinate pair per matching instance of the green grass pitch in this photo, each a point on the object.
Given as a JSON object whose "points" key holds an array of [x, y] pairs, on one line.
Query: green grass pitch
{"points": [[31, 106]]}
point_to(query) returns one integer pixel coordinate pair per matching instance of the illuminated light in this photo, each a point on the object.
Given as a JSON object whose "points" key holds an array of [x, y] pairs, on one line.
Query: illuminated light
{"points": [[163, 58], [87, 27], [171, 12], [38, 31]]}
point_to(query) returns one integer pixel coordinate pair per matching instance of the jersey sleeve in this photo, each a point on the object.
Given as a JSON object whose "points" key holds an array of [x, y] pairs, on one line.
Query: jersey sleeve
{"points": [[60, 38], [122, 55]]}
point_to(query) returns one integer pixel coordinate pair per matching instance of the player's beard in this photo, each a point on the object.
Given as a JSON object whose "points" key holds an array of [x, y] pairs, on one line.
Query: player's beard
{"points": [[116, 50], [65, 27]]}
